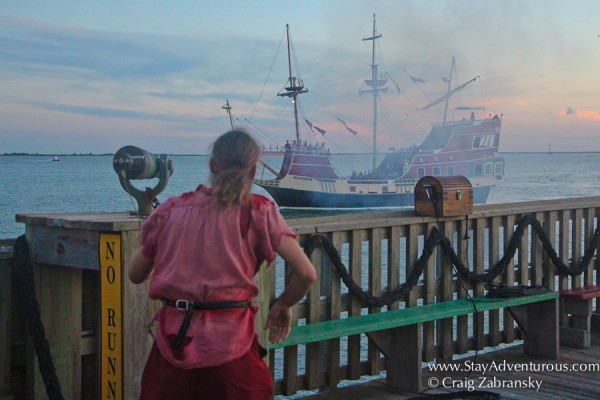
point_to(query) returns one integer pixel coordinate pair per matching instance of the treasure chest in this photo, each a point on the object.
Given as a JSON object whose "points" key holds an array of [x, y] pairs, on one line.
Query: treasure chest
{"points": [[443, 196]]}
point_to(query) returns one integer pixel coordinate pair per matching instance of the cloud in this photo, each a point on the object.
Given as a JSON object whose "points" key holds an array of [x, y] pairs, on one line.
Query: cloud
{"points": [[588, 115], [28, 45], [580, 115], [111, 112], [25, 44]]}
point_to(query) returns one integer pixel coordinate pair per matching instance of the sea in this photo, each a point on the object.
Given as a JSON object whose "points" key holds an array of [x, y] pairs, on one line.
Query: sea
{"points": [[88, 183]]}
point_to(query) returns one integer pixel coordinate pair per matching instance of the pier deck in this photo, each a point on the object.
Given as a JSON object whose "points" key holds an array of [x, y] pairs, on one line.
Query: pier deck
{"points": [[554, 385]]}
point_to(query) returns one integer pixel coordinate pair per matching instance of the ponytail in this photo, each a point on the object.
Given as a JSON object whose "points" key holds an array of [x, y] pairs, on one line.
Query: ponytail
{"points": [[232, 166]]}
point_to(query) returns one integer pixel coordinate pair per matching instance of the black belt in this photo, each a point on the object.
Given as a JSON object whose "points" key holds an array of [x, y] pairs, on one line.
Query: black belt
{"points": [[190, 306]]}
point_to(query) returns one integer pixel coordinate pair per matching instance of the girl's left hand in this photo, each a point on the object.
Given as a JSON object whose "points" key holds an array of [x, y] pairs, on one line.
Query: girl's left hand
{"points": [[279, 323]]}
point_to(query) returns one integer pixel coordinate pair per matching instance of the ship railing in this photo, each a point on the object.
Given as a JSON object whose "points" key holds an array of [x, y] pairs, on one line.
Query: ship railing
{"points": [[405, 182], [313, 152], [267, 182]]}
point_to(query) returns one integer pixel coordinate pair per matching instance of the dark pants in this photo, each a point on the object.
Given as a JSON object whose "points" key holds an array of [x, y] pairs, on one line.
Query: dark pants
{"points": [[246, 378]]}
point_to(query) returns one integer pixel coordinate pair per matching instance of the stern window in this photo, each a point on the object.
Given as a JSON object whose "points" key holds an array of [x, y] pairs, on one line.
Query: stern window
{"points": [[499, 168], [489, 168], [483, 141]]}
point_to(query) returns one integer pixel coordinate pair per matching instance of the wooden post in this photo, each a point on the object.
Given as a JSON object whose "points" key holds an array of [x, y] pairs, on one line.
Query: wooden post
{"points": [[334, 310], [536, 254], [58, 291], [404, 368], [373, 356], [542, 330], [579, 334], [445, 326], [493, 256], [355, 249], [263, 281], [509, 278], [462, 321], [314, 376], [63, 247], [478, 268], [5, 319], [429, 286]]}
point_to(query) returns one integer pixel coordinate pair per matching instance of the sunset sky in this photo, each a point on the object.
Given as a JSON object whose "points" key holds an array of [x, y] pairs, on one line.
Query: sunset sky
{"points": [[93, 76]]}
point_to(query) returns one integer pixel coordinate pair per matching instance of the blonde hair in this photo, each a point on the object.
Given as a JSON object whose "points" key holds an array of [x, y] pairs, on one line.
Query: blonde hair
{"points": [[234, 155]]}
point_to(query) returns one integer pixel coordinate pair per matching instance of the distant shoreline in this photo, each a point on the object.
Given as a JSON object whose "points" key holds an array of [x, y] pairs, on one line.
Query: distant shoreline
{"points": [[53, 154], [74, 154], [553, 152], [198, 155]]}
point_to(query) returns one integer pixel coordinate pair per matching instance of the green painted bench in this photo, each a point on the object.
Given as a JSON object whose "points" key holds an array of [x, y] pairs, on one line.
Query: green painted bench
{"points": [[397, 333]]}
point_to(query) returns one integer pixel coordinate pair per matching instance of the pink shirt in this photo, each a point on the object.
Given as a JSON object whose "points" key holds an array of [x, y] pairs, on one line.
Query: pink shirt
{"points": [[207, 256]]}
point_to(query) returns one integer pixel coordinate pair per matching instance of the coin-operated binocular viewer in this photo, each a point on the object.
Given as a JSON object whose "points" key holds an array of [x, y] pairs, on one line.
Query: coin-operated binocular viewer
{"points": [[131, 163]]}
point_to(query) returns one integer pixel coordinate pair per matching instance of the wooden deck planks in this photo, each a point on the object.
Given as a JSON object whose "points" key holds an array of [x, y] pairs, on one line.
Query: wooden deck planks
{"points": [[555, 385]]}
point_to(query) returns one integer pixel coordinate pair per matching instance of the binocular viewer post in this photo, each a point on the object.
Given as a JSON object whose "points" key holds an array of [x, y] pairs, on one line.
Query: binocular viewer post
{"points": [[132, 163]]}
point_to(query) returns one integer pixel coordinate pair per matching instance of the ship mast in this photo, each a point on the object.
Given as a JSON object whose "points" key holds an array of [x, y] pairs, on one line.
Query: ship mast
{"points": [[449, 90], [227, 108], [377, 84], [295, 86], [446, 97]]}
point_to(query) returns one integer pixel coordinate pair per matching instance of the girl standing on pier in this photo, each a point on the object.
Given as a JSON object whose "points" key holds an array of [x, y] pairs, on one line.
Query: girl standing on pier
{"points": [[203, 249]]}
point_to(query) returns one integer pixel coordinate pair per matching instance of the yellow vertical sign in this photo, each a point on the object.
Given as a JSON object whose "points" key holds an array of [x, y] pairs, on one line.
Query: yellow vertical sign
{"points": [[111, 326]]}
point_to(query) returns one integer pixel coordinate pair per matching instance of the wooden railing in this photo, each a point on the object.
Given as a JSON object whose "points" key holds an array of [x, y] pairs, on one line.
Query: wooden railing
{"points": [[380, 250]]}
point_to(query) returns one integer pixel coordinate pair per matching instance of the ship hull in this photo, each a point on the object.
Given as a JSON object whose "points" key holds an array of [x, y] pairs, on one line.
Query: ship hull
{"points": [[295, 198], [467, 148]]}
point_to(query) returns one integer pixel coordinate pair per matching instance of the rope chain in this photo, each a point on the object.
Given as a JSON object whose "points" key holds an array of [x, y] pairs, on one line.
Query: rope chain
{"points": [[437, 239]]}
